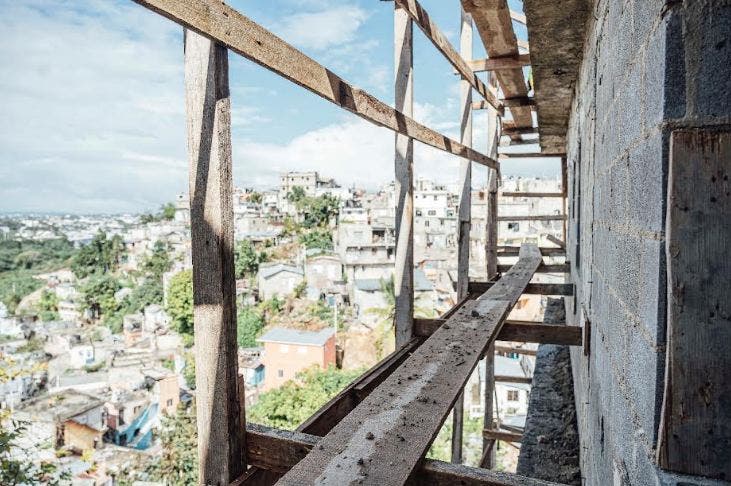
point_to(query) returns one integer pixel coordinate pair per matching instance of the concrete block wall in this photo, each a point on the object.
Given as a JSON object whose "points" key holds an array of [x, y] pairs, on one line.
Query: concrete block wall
{"points": [[649, 66]]}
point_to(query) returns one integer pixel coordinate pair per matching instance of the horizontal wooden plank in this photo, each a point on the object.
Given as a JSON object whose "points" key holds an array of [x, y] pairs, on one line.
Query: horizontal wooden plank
{"points": [[499, 348], [526, 380], [506, 102], [545, 251], [534, 217], [503, 435], [517, 331], [544, 268], [221, 23], [385, 437], [541, 333], [512, 131], [279, 450], [430, 29], [531, 194], [498, 63], [537, 288], [527, 155]]}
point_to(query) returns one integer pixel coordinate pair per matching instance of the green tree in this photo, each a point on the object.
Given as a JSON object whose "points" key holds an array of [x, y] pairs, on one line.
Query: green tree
{"points": [[178, 463], [100, 256], [249, 326], [247, 259], [98, 295], [16, 284], [189, 369], [158, 262], [317, 212], [317, 239], [48, 306], [291, 404], [255, 197], [180, 302], [296, 194], [167, 211]]}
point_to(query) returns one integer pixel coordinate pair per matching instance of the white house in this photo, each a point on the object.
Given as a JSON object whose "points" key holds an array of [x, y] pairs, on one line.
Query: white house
{"points": [[322, 272], [278, 279], [81, 355]]}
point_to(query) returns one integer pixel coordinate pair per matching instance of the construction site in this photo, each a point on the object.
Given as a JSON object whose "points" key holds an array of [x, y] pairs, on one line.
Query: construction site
{"points": [[631, 383]]}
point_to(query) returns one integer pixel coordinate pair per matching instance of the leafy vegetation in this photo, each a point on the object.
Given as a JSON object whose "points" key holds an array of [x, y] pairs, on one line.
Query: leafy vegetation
{"points": [[247, 259], [98, 294], [48, 306], [166, 213], [317, 239], [250, 323], [102, 255], [178, 463], [180, 302], [291, 404], [314, 212], [16, 284]]}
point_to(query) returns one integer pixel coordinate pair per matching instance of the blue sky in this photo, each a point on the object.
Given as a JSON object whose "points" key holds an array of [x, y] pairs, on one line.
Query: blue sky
{"points": [[93, 115]]}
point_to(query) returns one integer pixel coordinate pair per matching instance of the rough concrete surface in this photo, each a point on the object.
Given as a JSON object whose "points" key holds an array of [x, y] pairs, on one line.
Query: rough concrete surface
{"points": [[550, 446]]}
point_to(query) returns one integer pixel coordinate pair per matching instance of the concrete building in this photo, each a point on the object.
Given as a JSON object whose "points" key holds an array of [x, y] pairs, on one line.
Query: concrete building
{"points": [[289, 351], [324, 274], [278, 279]]}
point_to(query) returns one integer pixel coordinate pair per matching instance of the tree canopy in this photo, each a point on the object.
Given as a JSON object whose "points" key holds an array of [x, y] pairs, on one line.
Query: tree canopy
{"points": [[247, 259], [291, 404], [178, 463], [180, 302], [100, 256]]}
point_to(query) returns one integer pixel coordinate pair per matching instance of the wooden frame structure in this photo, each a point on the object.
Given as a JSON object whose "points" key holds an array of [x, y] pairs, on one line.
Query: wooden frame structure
{"points": [[361, 432]]}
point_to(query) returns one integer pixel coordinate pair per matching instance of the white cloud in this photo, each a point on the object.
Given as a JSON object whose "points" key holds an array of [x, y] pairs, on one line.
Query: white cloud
{"points": [[327, 28]]}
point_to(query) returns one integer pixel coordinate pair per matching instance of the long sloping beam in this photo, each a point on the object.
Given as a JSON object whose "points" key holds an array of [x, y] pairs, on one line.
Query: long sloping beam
{"points": [[280, 450], [221, 23], [498, 63], [383, 440], [493, 21], [432, 32]]}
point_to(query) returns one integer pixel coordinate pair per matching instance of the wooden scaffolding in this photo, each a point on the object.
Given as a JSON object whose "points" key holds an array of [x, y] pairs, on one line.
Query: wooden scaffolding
{"points": [[379, 428]]}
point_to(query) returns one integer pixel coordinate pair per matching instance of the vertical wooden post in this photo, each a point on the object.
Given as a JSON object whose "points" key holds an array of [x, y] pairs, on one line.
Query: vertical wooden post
{"points": [[404, 168], [493, 137], [219, 406], [465, 203]]}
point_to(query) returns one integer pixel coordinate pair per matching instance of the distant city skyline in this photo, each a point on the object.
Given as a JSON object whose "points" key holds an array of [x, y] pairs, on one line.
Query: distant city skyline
{"points": [[99, 127]]}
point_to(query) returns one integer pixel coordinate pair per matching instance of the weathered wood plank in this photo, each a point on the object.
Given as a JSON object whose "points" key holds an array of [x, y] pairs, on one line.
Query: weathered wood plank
{"points": [[695, 430], [280, 450], [503, 435], [385, 437], [531, 194], [556, 241], [216, 20], [514, 350], [493, 21], [464, 215], [220, 410], [527, 380], [404, 169], [506, 102], [440, 41], [531, 289], [534, 217], [545, 251], [502, 62], [544, 268], [517, 331], [527, 155]]}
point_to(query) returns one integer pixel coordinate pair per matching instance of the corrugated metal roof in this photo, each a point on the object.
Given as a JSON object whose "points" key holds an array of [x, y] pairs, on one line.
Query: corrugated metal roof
{"points": [[421, 283], [271, 270], [295, 336]]}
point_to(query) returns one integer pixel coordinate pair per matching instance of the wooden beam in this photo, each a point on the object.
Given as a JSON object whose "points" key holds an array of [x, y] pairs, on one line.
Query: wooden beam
{"points": [[527, 155], [537, 288], [514, 350], [517, 331], [506, 251], [217, 21], [695, 428], [424, 388], [534, 217], [404, 170], [556, 241], [219, 399], [544, 268], [527, 130], [498, 63], [507, 102], [541, 333], [440, 41], [526, 380], [280, 450], [502, 435], [518, 17], [496, 30], [531, 194]]}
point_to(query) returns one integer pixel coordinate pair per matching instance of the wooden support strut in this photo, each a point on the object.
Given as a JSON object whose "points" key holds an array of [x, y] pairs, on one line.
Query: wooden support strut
{"points": [[517, 331], [498, 63], [280, 450], [219, 404], [432, 32], [538, 288], [507, 102], [503, 435], [541, 217], [217, 21], [380, 440]]}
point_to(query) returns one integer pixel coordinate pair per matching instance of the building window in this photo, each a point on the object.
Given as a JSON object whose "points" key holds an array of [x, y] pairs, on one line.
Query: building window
{"points": [[170, 402], [280, 373], [432, 212], [513, 395], [426, 224], [513, 226], [418, 212]]}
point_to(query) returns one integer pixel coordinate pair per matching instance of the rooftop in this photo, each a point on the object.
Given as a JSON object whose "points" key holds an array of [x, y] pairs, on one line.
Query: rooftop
{"points": [[295, 336]]}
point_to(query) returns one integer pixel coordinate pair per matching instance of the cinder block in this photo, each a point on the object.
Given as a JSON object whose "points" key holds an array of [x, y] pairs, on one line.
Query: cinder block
{"points": [[713, 24]]}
